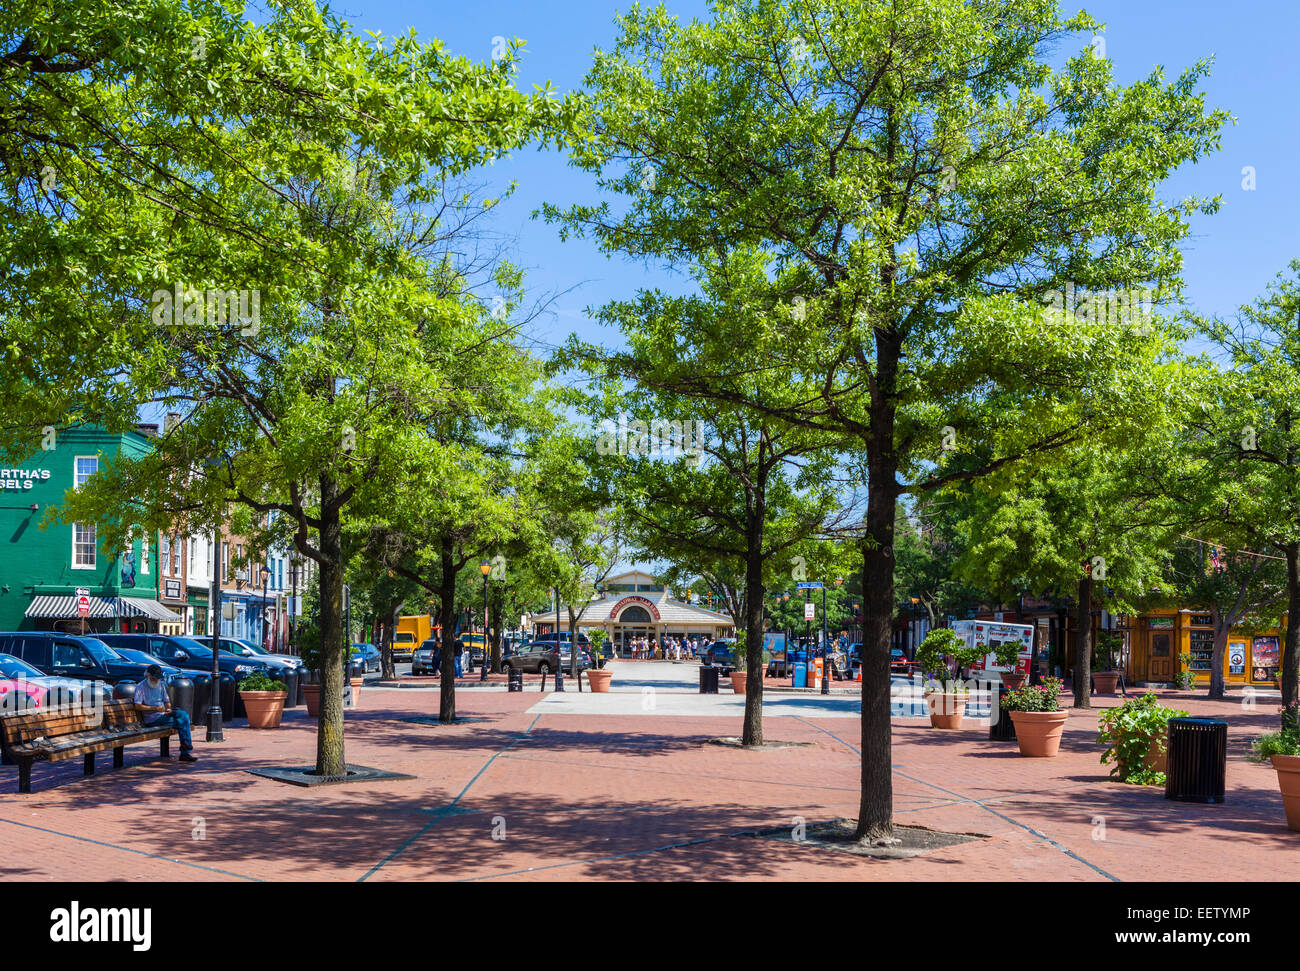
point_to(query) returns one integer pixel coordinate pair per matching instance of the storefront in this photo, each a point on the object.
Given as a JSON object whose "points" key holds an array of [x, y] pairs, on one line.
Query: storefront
{"points": [[1165, 642]]}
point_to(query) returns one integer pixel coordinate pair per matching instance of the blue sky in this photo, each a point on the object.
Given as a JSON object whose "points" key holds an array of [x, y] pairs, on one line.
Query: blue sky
{"points": [[1230, 257]]}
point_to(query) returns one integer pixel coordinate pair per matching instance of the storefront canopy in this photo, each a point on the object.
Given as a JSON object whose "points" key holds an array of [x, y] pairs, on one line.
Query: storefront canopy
{"points": [[106, 608]]}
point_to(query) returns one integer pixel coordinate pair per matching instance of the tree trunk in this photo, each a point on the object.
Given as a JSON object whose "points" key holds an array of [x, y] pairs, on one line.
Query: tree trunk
{"points": [[1083, 642], [752, 731], [446, 613], [389, 628], [498, 621], [876, 808], [329, 726], [1291, 652], [1221, 632]]}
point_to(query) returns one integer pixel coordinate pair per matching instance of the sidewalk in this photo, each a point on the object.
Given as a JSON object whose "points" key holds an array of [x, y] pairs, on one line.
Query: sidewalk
{"points": [[632, 796]]}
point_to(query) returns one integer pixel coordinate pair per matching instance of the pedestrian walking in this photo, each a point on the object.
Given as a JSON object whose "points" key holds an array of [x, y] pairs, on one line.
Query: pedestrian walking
{"points": [[457, 651]]}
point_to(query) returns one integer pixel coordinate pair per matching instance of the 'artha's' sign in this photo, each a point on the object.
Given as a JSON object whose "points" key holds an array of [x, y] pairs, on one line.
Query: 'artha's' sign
{"points": [[640, 602], [22, 478]]}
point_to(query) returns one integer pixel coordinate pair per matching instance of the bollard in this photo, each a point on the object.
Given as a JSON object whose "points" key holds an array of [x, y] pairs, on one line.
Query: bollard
{"points": [[290, 679], [226, 697], [202, 698]]}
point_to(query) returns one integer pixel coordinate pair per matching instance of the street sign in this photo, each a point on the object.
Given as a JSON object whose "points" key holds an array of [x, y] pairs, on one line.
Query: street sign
{"points": [[809, 611], [83, 604], [809, 585]]}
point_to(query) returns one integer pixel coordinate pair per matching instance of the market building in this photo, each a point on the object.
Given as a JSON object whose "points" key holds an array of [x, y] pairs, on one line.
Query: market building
{"points": [[41, 569], [632, 605]]}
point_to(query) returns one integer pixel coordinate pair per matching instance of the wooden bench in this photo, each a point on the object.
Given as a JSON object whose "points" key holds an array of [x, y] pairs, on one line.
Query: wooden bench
{"points": [[64, 733]]}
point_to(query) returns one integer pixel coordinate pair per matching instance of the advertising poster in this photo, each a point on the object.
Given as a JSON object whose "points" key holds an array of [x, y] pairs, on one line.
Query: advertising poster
{"points": [[1266, 655]]}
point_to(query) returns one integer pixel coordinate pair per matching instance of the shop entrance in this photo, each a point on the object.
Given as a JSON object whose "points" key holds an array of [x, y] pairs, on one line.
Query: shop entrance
{"points": [[1160, 662]]}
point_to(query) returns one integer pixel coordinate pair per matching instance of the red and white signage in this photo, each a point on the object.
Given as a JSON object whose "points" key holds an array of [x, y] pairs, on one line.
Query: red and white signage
{"points": [[645, 602], [83, 602], [809, 611]]}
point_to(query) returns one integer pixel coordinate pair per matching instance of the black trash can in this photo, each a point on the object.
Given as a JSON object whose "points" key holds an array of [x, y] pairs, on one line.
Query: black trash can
{"points": [[514, 679], [709, 679], [202, 698], [180, 692], [124, 691], [237, 709], [290, 679], [1197, 762], [226, 697], [1001, 727]]}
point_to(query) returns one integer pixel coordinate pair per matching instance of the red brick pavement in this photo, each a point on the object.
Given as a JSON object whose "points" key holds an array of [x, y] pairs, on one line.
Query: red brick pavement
{"points": [[582, 797]]}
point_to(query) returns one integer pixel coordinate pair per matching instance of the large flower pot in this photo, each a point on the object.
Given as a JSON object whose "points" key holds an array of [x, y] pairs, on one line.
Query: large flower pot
{"points": [[1105, 681], [264, 708], [1288, 780], [599, 680], [1013, 679], [738, 681], [311, 697], [946, 710], [1039, 732], [356, 689]]}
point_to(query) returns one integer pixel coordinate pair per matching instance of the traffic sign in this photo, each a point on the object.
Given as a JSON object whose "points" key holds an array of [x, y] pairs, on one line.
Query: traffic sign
{"points": [[83, 605], [809, 585]]}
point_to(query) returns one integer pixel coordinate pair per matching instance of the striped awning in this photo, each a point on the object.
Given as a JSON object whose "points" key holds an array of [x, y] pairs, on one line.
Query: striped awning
{"points": [[106, 608]]}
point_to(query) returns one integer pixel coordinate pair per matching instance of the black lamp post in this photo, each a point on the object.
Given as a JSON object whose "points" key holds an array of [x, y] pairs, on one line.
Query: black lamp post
{"points": [[485, 568], [559, 666], [215, 717]]}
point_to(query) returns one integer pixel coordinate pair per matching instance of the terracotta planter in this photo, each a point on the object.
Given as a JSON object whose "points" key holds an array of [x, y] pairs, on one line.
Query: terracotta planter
{"points": [[599, 680], [311, 697], [946, 710], [738, 681], [1013, 680], [1105, 681], [1288, 780], [1039, 732], [264, 707], [356, 689]]}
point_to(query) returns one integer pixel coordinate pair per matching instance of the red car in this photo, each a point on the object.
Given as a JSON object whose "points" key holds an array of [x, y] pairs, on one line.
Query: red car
{"points": [[898, 662]]}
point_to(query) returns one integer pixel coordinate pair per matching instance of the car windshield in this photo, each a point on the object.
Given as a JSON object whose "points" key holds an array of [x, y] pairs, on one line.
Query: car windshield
{"points": [[140, 657], [101, 651], [193, 647], [12, 667]]}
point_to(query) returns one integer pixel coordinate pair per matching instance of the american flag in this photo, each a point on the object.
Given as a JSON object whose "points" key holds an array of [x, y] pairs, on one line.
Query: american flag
{"points": [[1215, 561]]}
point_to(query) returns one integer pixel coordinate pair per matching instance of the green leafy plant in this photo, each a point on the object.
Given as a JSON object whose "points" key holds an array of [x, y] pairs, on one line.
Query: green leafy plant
{"points": [[1285, 742], [1130, 731], [739, 648], [1109, 644], [1034, 697], [1185, 679], [1007, 653], [932, 655], [260, 681]]}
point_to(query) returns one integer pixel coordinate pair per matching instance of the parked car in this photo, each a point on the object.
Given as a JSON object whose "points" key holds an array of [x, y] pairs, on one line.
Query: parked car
{"points": [[545, 654], [369, 656], [76, 657], [186, 653], [23, 687], [898, 662], [278, 662], [422, 661]]}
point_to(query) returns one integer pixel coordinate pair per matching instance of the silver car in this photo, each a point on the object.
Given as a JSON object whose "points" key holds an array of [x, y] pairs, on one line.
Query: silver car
{"points": [[423, 660]]}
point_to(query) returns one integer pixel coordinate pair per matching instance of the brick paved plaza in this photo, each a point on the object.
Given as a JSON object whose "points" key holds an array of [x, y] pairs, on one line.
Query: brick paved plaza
{"points": [[587, 787]]}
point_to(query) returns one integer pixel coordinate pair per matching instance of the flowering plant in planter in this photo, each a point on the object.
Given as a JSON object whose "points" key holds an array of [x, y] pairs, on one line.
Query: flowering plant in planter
{"points": [[1137, 736], [1034, 697]]}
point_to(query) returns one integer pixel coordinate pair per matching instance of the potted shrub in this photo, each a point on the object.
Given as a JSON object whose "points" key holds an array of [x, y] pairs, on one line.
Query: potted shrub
{"points": [[1038, 719], [1283, 750], [1007, 654], [945, 696], [597, 676], [1137, 738], [597, 639], [739, 674], [263, 700], [1104, 676], [1185, 679]]}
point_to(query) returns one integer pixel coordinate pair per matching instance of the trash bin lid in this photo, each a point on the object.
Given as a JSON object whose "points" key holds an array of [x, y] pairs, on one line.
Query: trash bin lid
{"points": [[1199, 721]]}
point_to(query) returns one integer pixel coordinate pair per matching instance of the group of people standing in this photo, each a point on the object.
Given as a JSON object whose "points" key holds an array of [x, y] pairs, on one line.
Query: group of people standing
{"points": [[671, 648]]}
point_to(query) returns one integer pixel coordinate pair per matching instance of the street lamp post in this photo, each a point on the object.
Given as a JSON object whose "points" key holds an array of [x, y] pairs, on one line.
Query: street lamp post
{"points": [[485, 568], [215, 717], [559, 667]]}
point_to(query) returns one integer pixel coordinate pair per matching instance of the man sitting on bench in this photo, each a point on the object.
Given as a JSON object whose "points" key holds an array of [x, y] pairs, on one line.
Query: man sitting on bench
{"points": [[152, 701]]}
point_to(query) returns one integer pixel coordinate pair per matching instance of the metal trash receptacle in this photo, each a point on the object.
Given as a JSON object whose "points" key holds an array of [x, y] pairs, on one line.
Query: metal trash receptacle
{"points": [[180, 692], [124, 690], [1001, 727], [709, 679], [1197, 761], [290, 678], [514, 679], [202, 698]]}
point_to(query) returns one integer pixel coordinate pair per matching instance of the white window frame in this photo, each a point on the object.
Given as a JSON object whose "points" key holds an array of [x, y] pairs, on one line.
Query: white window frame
{"points": [[77, 482], [94, 548]]}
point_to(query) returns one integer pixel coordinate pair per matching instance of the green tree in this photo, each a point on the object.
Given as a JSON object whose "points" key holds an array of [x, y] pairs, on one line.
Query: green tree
{"points": [[889, 194]]}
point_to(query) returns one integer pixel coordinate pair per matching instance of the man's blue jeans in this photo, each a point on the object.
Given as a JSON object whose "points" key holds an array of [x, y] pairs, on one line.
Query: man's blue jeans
{"points": [[458, 671], [179, 720]]}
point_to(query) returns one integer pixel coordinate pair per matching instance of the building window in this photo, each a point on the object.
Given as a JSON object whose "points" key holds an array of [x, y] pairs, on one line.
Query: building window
{"points": [[83, 468], [83, 547], [225, 562], [165, 555]]}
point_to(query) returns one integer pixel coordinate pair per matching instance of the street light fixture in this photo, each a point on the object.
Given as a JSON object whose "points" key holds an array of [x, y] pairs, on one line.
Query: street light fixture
{"points": [[485, 568]]}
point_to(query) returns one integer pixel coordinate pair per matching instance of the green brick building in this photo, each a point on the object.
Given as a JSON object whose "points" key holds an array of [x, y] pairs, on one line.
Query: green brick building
{"points": [[41, 569]]}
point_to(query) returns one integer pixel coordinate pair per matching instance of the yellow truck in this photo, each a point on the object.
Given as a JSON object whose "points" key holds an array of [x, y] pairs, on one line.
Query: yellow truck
{"points": [[411, 633]]}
